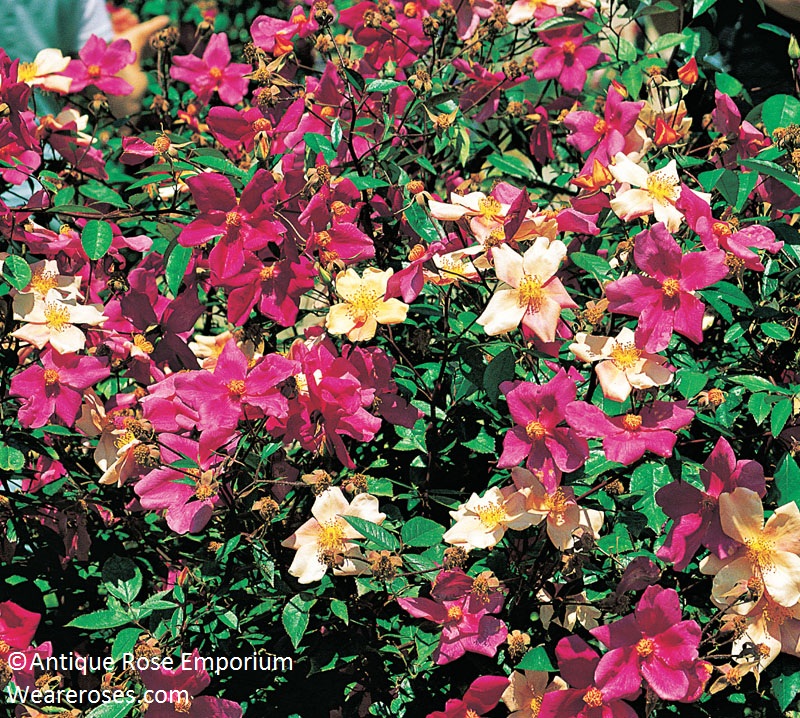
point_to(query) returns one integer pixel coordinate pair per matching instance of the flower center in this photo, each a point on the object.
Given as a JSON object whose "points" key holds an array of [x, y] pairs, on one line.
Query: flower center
{"points": [[454, 613], [261, 125], [162, 144], [759, 553], [416, 252], [535, 430], [600, 126], [183, 705], [722, 229], [267, 272], [489, 209], [216, 73], [632, 422], [236, 387], [363, 305], [593, 698], [43, 281], [331, 537], [26, 71], [716, 396], [4, 647], [531, 293], [124, 439], [490, 514], [338, 208], [556, 503], [233, 219], [323, 238], [204, 491], [670, 287], [50, 377], [625, 355], [94, 71], [662, 187], [774, 614], [141, 343], [645, 647], [56, 316], [569, 47]]}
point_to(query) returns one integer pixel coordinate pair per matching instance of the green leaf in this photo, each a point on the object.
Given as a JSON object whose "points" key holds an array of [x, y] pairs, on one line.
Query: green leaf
{"points": [[482, 443], [754, 383], [691, 383], [339, 609], [122, 578], [708, 180], [422, 532], [11, 458], [771, 169], [96, 238], [647, 479], [336, 132], [379, 85], [535, 659], [787, 480], [412, 439], [508, 164], [780, 111], [175, 267], [295, 618], [666, 41], [112, 709], [220, 164], [100, 619], [701, 6], [785, 688], [96, 191], [421, 223], [776, 331], [598, 267], [780, 415], [371, 531], [728, 85], [500, 369], [759, 405], [124, 642], [368, 182], [16, 271]]}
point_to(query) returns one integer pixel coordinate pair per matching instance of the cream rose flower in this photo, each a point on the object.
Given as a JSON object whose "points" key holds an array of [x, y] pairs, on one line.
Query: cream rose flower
{"points": [[364, 306], [326, 539], [623, 367]]}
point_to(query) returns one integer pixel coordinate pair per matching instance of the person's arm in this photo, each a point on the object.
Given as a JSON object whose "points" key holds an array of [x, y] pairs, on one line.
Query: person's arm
{"points": [[138, 35], [787, 8]]}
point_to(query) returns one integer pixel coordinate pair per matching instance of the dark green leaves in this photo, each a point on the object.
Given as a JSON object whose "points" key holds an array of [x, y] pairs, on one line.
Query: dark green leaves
{"points": [[96, 238]]}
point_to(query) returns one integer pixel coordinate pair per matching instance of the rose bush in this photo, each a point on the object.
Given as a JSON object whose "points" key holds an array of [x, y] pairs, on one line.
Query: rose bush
{"points": [[449, 348]]}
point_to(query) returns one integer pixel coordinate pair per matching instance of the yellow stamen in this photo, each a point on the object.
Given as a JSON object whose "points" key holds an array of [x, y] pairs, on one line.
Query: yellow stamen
{"points": [[625, 355], [330, 539], [141, 343], [632, 422], [535, 430], [454, 613], [670, 287], [645, 647], [50, 377], [56, 316], [236, 387], [363, 305], [593, 698], [759, 553], [490, 514], [26, 71], [43, 281], [662, 187], [531, 294], [489, 208]]}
